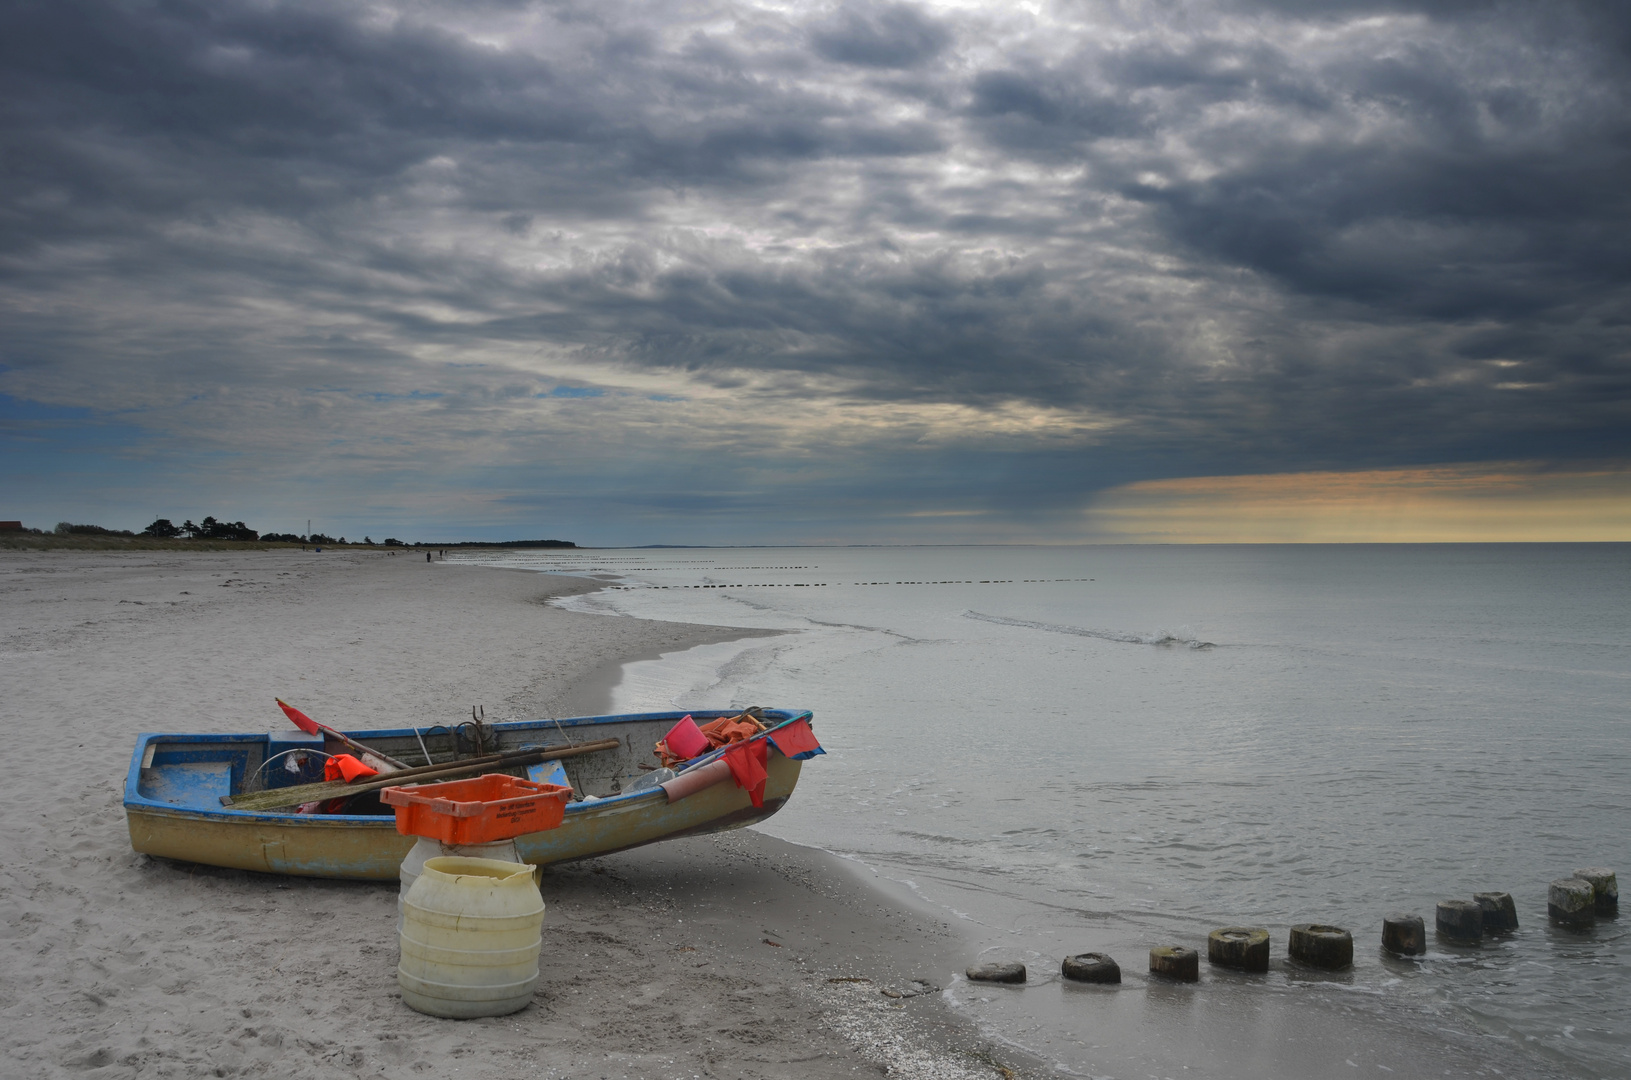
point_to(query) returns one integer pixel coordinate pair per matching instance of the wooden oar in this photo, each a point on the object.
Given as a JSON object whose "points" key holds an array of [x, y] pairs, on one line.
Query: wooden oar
{"points": [[303, 793], [312, 727], [408, 776]]}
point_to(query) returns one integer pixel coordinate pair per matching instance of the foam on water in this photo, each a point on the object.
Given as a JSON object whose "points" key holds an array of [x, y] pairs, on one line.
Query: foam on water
{"points": [[681, 679], [1182, 636], [1378, 728]]}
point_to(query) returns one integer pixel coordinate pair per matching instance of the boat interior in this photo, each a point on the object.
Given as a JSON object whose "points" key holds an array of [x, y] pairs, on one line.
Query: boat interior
{"points": [[197, 770]]}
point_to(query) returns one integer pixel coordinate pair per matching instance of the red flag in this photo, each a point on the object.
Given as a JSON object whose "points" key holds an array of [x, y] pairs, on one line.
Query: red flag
{"points": [[298, 718], [747, 761], [795, 740]]}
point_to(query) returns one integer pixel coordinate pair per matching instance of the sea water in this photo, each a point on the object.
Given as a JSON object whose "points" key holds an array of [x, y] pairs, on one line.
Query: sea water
{"points": [[1110, 748]]}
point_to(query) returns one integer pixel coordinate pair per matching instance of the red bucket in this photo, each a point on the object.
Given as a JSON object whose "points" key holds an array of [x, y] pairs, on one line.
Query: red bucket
{"points": [[686, 740]]}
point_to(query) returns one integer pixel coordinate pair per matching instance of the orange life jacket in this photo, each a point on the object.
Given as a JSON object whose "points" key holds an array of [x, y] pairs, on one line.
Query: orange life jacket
{"points": [[347, 768]]}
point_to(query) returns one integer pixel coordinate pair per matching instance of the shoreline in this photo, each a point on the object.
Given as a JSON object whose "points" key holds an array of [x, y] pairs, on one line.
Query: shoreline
{"points": [[591, 692], [731, 955]]}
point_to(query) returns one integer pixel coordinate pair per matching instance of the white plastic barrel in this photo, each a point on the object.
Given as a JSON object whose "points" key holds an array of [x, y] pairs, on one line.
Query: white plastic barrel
{"points": [[426, 848], [471, 931]]}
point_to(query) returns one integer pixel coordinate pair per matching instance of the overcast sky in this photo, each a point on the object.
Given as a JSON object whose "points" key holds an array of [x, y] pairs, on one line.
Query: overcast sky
{"points": [[732, 272]]}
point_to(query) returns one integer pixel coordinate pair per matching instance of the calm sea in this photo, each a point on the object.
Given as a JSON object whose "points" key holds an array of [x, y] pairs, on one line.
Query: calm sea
{"points": [[1109, 748]]}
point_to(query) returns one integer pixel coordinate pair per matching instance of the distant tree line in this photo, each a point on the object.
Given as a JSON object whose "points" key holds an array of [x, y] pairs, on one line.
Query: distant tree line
{"points": [[208, 529], [211, 529]]}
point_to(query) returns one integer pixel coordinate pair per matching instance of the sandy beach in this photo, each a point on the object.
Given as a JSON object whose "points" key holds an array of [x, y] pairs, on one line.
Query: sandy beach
{"points": [[728, 956]]}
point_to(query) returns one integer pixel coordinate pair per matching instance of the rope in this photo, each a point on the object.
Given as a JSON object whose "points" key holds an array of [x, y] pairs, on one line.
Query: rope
{"points": [[422, 747], [562, 730]]}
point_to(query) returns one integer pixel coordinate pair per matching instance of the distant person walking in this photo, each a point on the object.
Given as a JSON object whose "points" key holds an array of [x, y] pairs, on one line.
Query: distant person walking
{"points": [[427, 556]]}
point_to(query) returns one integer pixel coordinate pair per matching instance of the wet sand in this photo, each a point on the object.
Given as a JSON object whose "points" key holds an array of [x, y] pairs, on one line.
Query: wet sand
{"points": [[727, 956]]}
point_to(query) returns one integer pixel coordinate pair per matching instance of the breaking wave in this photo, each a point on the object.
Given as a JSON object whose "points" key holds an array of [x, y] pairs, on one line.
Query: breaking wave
{"points": [[1182, 636]]}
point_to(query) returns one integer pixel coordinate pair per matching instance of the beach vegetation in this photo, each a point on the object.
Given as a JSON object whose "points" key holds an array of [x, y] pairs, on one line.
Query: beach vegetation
{"points": [[210, 535], [65, 528]]}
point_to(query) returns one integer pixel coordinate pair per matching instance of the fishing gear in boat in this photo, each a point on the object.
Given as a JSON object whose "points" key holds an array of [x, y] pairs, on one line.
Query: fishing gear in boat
{"points": [[475, 731], [312, 727], [293, 760], [687, 740], [304, 793]]}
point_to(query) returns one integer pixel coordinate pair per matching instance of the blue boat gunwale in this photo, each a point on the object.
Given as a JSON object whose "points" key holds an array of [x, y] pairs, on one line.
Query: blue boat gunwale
{"points": [[134, 799]]}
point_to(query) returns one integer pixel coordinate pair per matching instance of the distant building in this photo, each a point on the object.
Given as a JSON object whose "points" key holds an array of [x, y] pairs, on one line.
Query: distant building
{"points": [[11, 526]]}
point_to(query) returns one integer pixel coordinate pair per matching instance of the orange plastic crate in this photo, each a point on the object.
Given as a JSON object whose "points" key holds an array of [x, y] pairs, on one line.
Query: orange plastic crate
{"points": [[477, 811]]}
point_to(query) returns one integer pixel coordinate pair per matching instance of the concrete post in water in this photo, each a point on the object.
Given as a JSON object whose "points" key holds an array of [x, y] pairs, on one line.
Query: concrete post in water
{"points": [[1500, 913], [1329, 947], [1244, 948], [1572, 902], [1461, 920], [1605, 886], [1176, 962], [1011, 972], [1404, 934], [1091, 967]]}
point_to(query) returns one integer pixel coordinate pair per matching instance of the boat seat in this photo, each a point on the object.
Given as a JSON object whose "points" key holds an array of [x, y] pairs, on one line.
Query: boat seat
{"points": [[188, 783]]}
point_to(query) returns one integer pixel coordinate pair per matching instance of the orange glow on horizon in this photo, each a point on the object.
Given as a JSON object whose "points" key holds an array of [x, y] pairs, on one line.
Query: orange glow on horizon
{"points": [[1489, 502]]}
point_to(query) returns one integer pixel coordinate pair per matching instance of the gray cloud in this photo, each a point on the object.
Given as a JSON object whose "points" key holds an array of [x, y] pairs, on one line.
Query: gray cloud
{"points": [[1271, 235], [880, 36]]}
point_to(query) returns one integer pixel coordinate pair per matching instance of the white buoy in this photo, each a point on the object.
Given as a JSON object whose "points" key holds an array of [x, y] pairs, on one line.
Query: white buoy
{"points": [[471, 932], [427, 848]]}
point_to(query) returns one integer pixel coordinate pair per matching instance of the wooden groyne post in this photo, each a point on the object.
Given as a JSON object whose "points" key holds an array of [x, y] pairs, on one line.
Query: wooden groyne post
{"points": [[1404, 934]]}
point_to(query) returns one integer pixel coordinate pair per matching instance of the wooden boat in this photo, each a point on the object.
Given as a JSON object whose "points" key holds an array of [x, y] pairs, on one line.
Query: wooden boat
{"points": [[174, 789]]}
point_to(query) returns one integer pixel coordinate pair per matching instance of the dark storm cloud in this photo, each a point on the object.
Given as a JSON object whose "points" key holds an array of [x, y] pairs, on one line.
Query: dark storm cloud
{"points": [[881, 36], [1270, 234], [174, 106], [1050, 115]]}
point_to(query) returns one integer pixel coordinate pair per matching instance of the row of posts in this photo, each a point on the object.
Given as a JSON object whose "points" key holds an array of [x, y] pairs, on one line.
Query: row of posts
{"points": [[1573, 902]]}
